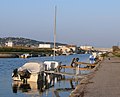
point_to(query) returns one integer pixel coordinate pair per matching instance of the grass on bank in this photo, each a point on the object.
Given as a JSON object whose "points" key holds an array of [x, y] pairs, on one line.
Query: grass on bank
{"points": [[117, 54], [24, 50]]}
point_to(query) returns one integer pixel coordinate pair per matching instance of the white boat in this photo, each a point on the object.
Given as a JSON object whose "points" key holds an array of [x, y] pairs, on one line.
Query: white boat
{"points": [[30, 71], [34, 71], [93, 56], [52, 65], [25, 56]]}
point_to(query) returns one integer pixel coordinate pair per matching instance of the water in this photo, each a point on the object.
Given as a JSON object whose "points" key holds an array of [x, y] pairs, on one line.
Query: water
{"points": [[63, 88]]}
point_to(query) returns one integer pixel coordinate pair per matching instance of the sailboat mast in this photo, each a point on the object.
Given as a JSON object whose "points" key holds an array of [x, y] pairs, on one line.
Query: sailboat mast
{"points": [[55, 31]]}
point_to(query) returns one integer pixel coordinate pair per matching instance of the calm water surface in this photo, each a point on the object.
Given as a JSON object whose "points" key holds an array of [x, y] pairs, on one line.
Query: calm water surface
{"points": [[8, 64]]}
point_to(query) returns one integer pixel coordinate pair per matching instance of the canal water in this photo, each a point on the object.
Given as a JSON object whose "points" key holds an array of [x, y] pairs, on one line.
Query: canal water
{"points": [[9, 88]]}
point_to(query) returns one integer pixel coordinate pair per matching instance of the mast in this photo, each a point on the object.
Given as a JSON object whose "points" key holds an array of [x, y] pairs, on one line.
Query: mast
{"points": [[55, 32]]}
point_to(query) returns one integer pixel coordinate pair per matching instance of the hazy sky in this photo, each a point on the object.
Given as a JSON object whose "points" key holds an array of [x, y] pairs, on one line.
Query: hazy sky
{"points": [[80, 22]]}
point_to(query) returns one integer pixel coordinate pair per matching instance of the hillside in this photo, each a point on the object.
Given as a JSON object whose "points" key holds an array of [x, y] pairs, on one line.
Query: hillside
{"points": [[19, 41]]}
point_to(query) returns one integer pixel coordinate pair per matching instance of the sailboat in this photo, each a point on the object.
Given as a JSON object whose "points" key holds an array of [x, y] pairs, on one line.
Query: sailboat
{"points": [[33, 71], [53, 64]]}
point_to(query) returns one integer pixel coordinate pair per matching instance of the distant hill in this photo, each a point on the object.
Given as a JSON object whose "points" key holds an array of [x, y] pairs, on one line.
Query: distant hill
{"points": [[19, 41]]}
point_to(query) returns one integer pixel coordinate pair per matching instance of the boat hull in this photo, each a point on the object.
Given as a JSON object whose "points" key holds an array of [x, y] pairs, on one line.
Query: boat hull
{"points": [[33, 78]]}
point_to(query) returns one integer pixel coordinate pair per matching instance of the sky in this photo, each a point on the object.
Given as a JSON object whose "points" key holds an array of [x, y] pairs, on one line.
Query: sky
{"points": [[79, 22]]}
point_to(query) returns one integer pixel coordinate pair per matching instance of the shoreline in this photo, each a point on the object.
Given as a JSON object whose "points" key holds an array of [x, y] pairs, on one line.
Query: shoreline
{"points": [[103, 82], [80, 89], [8, 55]]}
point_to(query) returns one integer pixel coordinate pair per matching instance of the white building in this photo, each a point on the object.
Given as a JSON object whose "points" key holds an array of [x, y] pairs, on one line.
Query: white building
{"points": [[87, 47], [104, 49], [9, 44], [45, 46]]}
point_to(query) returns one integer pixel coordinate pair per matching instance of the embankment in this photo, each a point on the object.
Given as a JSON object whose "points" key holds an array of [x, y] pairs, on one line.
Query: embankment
{"points": [[105, 82], [8, 55], [80, 89]]}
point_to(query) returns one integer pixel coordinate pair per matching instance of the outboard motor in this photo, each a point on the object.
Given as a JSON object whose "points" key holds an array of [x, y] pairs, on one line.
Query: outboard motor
{"points": [[24, 75], [15, 73]]}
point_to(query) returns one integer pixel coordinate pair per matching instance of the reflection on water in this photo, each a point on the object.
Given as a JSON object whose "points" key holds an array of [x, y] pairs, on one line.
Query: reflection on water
{"points": [[24, 87], [44, 86]]}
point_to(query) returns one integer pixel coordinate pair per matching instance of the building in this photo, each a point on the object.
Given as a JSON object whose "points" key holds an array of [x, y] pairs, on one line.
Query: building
{"points": [[104, 49], [87, 47], [45, 45], [9, 44]]}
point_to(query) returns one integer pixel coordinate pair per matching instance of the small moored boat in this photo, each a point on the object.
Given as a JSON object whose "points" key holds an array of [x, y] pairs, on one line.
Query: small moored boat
{"points": [[25, 56], [52, 65], [29, 71], [33, 71]]}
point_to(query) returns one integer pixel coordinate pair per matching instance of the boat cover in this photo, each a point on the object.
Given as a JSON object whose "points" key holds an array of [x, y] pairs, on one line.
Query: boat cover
{"points": [[32, 67]]}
